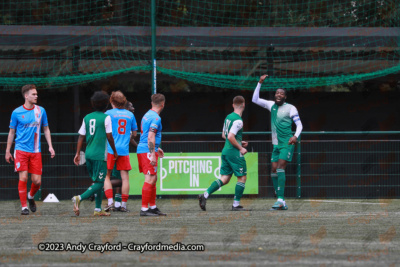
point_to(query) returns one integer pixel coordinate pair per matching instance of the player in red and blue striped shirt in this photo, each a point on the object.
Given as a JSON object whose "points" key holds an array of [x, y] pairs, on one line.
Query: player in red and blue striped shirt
{"points": [[26, 121]]}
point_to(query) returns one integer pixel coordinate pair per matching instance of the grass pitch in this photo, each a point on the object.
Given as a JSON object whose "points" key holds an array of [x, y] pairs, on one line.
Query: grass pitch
{"points": [[311, 232]]}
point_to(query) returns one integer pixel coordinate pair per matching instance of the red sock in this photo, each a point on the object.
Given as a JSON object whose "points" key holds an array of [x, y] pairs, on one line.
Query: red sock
{"points": [[34, 189], [146, 195], [109, 193], [124, 198], [153, 195], [22, 193]]}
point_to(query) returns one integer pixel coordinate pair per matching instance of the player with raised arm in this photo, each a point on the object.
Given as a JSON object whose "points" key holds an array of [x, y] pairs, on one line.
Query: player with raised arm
{"points": [[232, 157], [26, 121], [148, 152], [283, 140], [97, 128], [123, 124]]}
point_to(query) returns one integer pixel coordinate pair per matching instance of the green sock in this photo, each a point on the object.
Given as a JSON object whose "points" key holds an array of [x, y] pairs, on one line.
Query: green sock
{"points": [[92, 190], [239, 191], [281, 183], [217, 184], [118, 198], [274, 177], [99, 198]]}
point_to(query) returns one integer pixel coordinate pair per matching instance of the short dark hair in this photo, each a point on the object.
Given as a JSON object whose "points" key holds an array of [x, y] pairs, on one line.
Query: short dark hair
{"points": [[100, 100], [238, 100], [157, 99], [284, 90], [27, 88], [129, 106]]}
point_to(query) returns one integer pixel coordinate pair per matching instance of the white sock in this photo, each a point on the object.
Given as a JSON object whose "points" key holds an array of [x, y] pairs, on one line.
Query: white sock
{"points": [[124, 204], [29, 195], [117, 204], [153, 207], [98, 210], [206, 194], [110, 201], [80, 197], [236, 203], [144, 209], [24, 208], [280, 199]]}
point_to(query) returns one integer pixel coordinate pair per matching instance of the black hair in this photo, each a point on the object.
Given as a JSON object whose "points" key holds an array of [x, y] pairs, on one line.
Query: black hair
{"points": [[284, 90], [100, 100]]}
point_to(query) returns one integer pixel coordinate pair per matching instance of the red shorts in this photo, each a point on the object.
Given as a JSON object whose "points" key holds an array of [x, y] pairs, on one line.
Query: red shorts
{"points": [[144, 164], [25, 161], [123, 163]]}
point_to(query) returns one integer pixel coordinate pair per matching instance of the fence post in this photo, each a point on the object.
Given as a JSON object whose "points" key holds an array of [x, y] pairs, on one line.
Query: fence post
{"points": [[153, 47], [298, 176]]}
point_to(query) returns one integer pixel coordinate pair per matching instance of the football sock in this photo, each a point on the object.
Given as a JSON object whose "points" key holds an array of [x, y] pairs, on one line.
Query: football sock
{"points": [[34, 189], [22, 193], [117, 204], [146, 195], [236, 203], [217, 184], [118, 198], [91, 190], [124, 200], [281, 184], [153, 207], [152, 201], [99, 198], [274, 177], [96, 209], [109, 196], [238, 192]]}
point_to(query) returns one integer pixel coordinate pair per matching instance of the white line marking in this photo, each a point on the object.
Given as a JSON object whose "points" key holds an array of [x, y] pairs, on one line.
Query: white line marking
{"points": [[368, 203]]}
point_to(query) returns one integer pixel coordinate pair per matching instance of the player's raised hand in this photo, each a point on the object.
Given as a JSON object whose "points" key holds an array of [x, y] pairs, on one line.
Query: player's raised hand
{"points": [[52, 152], [262, 78], [243, 151], [160, 153], [244, 144], [9, 157], [77, 159], [292, 140]]}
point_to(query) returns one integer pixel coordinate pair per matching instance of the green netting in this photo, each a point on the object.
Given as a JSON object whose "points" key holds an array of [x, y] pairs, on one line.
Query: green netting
{"points": [[229, 44]]}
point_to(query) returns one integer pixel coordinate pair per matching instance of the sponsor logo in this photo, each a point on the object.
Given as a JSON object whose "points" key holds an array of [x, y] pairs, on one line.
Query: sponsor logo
{"points": [[18, 165], [188, 173]]}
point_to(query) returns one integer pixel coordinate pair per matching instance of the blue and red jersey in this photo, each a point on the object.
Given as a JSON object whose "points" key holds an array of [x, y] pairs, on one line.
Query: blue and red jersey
{"points": [[27, 124], [151, 121], [123, 123]]}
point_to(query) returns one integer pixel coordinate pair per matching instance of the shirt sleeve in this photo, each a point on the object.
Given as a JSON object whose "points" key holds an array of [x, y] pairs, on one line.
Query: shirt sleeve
{"points": [[155, 125], [82, 130], [259, 101], [294, 114], [108, 124], [14, 120], [44, 119], [134, 124], [236, 126]]}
